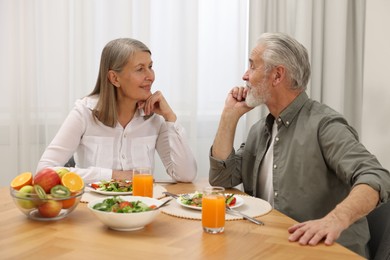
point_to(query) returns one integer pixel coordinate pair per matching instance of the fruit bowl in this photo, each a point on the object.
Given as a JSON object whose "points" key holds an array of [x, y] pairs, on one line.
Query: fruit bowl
{"points": [[47, 209], [126, 221]]}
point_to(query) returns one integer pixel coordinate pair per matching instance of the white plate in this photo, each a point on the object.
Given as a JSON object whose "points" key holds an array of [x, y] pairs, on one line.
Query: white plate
{"points": [[111, 193], [239, 202]]}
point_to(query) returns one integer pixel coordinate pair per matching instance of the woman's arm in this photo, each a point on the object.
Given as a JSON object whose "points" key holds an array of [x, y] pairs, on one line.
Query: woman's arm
{"points": [[175, 152], [66, 142]]}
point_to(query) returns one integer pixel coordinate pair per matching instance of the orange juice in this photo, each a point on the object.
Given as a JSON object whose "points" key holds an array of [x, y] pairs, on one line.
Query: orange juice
{"points": [[143, 185], [213, 210]]}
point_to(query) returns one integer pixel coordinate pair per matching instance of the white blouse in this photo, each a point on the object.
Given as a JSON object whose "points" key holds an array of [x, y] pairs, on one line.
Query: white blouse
{"points": [[99, 149]]}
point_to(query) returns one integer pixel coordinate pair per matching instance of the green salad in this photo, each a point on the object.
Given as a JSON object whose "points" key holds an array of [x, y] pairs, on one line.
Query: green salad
{"points": [[114, 186], [195, 199], [119, 205]]}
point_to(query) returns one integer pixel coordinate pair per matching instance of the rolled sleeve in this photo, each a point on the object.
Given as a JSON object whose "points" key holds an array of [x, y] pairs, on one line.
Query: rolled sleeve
{"points": [[379, 181], [222, 171]]}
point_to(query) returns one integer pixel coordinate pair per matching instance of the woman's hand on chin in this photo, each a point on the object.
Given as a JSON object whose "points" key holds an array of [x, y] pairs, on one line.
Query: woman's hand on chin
{"points": [[156, 103]]}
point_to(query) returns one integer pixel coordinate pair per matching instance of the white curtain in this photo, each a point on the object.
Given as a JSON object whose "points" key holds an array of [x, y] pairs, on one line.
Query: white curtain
{"points": [[333, 33], [50, 53]]}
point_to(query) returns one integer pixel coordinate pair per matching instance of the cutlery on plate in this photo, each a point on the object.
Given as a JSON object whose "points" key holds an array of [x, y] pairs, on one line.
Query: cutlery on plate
{"points": [[175, 196], [232, 211], [163, 204]]}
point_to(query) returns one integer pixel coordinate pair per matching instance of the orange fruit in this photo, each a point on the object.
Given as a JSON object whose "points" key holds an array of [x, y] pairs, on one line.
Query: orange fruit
{"points": [[66, 204], [25, 178], [72, 181]]}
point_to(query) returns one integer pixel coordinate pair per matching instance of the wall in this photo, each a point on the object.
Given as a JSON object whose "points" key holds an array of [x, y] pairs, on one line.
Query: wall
{"points": [[376, 96]]}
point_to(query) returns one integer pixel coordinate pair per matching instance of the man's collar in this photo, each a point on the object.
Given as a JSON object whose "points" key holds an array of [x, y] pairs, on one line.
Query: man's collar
{"points": [[291, 111]]}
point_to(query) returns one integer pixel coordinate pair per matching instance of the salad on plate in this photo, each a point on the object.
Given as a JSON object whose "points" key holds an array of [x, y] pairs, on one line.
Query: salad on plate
{"points": [[113, 187], [195, 200]]}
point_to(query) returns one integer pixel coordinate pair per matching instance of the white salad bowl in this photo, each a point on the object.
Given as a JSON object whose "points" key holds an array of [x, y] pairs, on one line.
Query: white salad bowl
{"points": [[126, 221]]}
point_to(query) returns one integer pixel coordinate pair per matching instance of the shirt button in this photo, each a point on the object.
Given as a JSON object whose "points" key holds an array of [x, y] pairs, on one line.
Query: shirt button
{"points": [[123, 156], [279, 119], [287, 122], [276, 193], [274, 166], [277, 139], [125, 135]]}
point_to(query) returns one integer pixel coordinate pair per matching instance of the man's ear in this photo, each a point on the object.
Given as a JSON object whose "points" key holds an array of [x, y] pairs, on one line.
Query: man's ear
{"points": [[279, 73], [113, 78]]}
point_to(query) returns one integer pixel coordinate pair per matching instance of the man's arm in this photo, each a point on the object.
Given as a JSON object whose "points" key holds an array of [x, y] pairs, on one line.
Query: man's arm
{"points": [[235, 107], [361, 201], [223, 142]]}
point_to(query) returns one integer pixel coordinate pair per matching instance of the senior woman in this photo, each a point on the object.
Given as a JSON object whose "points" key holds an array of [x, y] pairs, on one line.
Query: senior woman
{"points": [[121, 123]]}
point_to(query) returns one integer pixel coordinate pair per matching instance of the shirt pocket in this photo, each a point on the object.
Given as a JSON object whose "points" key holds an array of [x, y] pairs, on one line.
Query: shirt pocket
{"points": [[142, 151], [98, 151]]}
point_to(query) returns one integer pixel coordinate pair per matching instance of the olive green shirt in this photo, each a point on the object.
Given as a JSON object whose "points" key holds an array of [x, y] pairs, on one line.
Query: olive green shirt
{"points": [[317, 160]]}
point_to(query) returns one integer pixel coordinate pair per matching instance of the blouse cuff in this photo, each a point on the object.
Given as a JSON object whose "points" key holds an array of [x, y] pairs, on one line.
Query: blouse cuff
{"points": [[176, 127], [105, 174]]}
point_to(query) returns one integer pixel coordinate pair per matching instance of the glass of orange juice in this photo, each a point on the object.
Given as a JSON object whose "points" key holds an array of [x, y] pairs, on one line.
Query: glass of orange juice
{"points": [[143, 182], [213, 210]]}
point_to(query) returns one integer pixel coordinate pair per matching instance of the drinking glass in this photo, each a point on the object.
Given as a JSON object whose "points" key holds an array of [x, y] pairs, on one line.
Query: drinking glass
{"points": [[143, 182], [213, 210]]}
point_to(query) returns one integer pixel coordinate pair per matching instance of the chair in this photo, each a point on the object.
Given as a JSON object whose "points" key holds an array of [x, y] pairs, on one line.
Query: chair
{"points": [[379, 224], [70, 163]]}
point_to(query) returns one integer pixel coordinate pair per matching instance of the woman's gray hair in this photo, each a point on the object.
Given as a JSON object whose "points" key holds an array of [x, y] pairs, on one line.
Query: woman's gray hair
{"points": [[115, 56], [281, 49]]}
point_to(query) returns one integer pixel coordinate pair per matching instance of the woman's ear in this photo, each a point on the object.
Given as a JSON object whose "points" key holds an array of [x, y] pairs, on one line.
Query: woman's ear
{"points": [[113, 78]]}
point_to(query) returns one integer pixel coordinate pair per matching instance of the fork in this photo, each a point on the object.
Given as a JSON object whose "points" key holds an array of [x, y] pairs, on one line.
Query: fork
{"points": [[185, 196], [171, 194], [163, 204], [258, 222]]}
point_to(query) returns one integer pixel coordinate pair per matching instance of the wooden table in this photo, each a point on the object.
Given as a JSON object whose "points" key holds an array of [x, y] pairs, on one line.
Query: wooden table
{"points": [[82, 236]]}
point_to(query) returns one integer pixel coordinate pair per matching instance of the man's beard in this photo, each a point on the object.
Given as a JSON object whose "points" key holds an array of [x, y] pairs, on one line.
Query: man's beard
{"points": [[257, 95]]}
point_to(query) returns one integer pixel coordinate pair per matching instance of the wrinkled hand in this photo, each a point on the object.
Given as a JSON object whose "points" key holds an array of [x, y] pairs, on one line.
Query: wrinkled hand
{"points": [[235, 101], [156, 103], [312, 232]]}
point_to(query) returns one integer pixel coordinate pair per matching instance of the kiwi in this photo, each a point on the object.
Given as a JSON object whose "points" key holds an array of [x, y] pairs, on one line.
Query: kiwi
{"points": [[40, 191], [60, 191]]}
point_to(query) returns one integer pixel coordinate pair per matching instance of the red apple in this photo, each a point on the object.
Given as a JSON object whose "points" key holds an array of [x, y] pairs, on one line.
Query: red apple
{"points": [[50, 209], [47, 179]]}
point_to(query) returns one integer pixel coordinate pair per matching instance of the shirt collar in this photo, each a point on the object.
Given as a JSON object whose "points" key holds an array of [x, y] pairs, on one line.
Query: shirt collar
{"points": [[139, 112], [91, 102], [291, 111]]}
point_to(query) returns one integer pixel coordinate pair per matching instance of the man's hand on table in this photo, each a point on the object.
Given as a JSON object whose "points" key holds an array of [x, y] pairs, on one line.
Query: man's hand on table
{"points": [[312, 232], [361, 200]]}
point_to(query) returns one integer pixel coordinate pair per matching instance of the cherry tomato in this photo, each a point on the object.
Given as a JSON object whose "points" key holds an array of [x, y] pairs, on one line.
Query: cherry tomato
{"points": [[124, 204], [95, 186], [233, 202]]}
